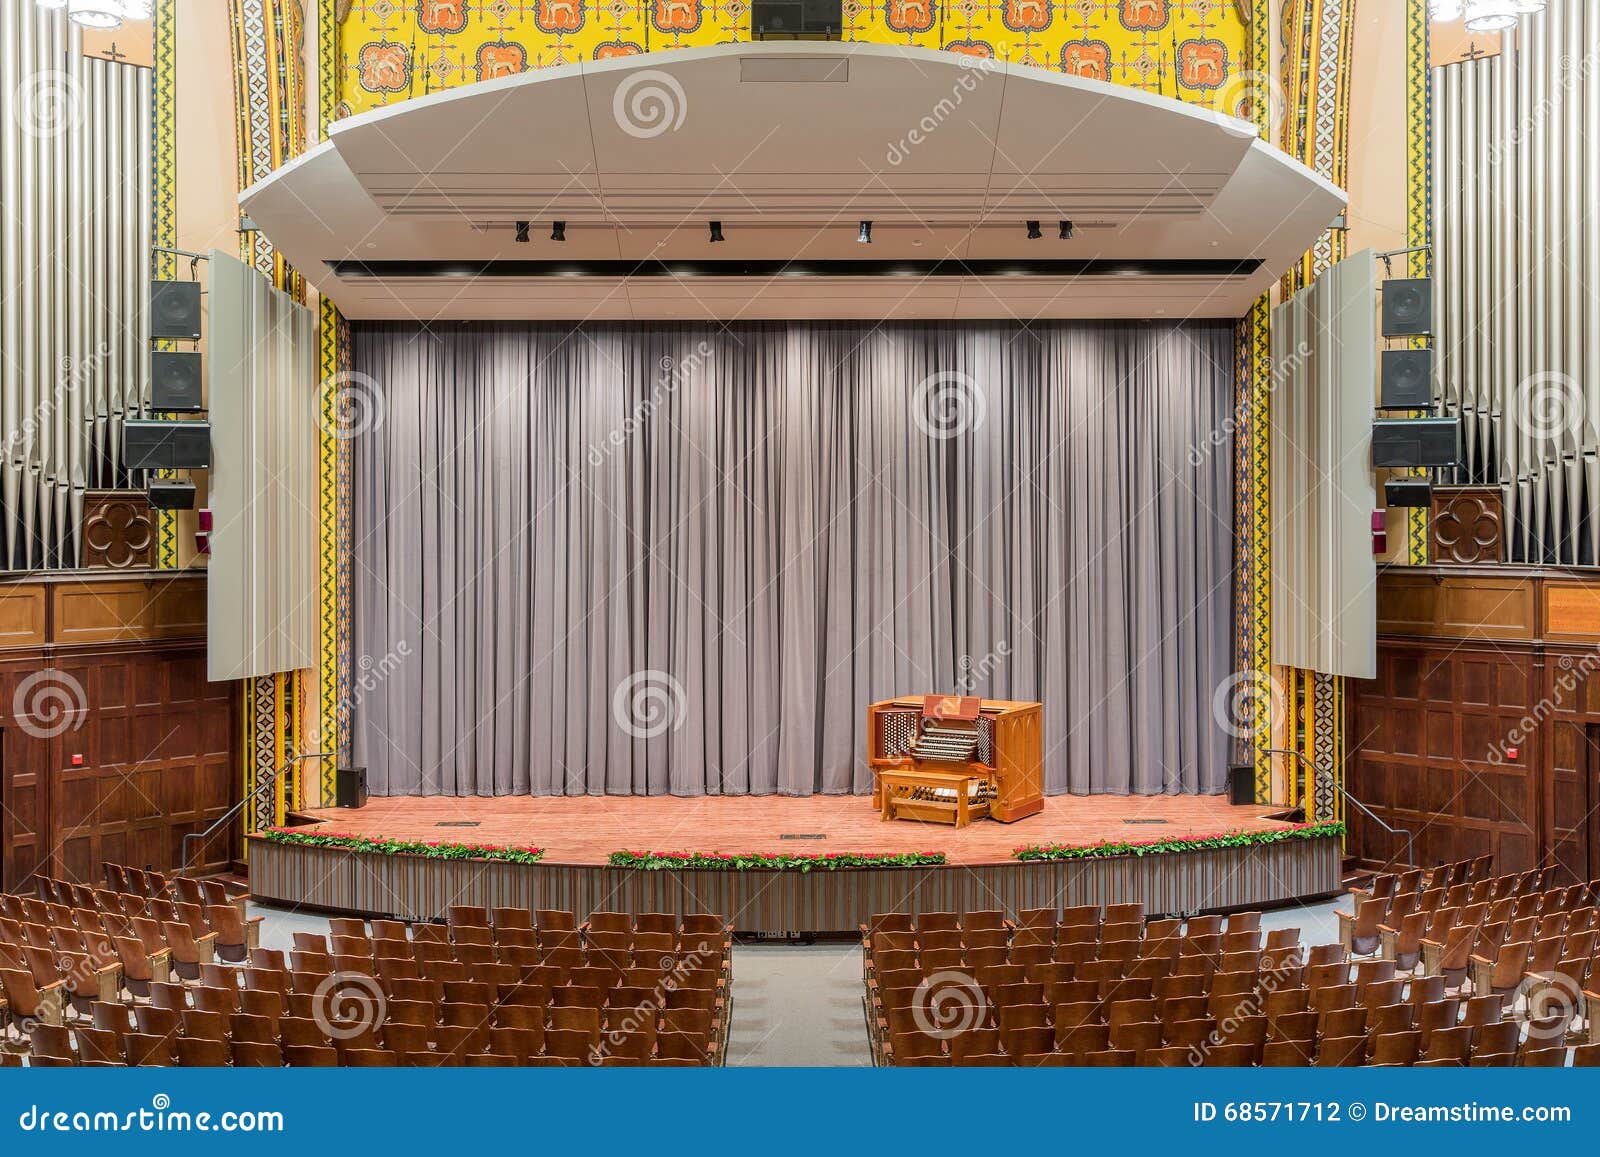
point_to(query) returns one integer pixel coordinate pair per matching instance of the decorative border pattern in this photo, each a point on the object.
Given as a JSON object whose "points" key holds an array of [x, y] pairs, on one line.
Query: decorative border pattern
{"points": [[1252, 449], [269, 95], [333, 471], [164, 204], [1419, 204]]}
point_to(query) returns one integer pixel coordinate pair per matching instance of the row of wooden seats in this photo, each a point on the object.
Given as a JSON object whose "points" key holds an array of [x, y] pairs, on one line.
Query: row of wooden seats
{"points": [[217, 929], [1075, 923], [210, 1039], [132, 882], [1115, 960], [1362, 931], [1469, 871], [1097, 1048], [677, 1015]]}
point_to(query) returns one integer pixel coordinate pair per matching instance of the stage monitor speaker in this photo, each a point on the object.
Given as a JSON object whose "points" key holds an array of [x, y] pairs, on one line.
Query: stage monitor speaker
{"points": [[175, 309], [1407, 380], [1400, 443], [170, 494], [153, 444], [1408, 492], [808, 19], [1408, 307], [175, 381], [350, 787], [1242, 784]]}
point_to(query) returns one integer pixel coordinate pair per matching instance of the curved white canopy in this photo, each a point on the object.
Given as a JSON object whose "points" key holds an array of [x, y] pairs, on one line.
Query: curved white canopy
{"points": [[789, 146]]}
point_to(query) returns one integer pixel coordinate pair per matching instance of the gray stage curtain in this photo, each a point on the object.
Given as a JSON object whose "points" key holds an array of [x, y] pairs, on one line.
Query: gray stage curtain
{"points": [[664, 559]]}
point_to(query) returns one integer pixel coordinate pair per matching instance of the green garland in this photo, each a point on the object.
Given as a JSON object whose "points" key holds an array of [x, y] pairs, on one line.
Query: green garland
{"points": [[379, 845], [1176, 843], [762, 862]]}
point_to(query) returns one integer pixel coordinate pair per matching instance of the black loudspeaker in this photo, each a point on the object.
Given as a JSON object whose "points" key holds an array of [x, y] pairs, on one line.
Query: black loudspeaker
{"points": [[152, 444], [808, 18], [1408, 492], [174, 381], [170, 494], [1408, 307], [175, 309], [1407, 380], [1399, 443], [350, 787], [1242, 784]]}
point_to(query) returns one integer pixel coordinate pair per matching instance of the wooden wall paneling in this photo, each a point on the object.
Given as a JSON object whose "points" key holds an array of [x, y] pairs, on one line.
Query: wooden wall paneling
{"points": [[24, 823], [122, 610], [1571, 611], [1428, 754], [1469, 606], [1571, 699], [147, 748], [23, 615]]}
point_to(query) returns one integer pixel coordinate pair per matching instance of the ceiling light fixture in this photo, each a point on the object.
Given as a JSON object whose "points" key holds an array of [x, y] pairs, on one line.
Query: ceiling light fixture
{"points": [[1033, 231], [1484, 15], [522, 232], [558, 231], [864, 234], [1066, 231], [96, 13], [1492, 15], [716, 232]]}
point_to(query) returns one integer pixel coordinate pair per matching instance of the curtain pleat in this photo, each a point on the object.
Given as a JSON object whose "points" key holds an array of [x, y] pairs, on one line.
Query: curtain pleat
{"points": [[682, 559]]}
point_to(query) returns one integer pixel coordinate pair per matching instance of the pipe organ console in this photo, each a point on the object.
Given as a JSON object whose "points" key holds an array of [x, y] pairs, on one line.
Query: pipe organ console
{"points": [[953, 759]]}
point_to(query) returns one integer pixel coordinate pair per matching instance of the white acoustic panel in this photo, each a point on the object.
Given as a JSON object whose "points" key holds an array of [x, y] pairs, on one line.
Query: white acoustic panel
{"points": [[262, 377], [1324, 577]]}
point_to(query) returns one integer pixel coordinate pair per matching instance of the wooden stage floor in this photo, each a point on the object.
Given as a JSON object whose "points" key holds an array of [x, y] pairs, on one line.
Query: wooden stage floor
{"points": [[585, 829]]}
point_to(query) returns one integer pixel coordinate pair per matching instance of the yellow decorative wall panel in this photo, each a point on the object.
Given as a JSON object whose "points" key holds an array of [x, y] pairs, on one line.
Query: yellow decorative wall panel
{"points": [[392, 50]]}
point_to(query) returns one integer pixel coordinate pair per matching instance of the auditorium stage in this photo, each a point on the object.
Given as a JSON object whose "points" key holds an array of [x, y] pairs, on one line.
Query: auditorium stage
{"points": [[577, 834], [586, 829]]}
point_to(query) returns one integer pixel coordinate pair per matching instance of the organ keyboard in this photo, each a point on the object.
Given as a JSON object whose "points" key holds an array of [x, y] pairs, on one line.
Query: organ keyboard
{"points": [[951, 759]]}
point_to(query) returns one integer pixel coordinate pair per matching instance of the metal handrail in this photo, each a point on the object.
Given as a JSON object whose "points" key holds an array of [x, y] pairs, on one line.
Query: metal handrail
{"points": [[1324, 776], [228, 816]]}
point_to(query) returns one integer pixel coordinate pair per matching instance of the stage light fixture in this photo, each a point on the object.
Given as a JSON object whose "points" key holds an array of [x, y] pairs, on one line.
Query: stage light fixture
{"points": [[1033, 231], [522, 232], [1066, 231], [864, 234], [716, 232], [558, 231]]}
